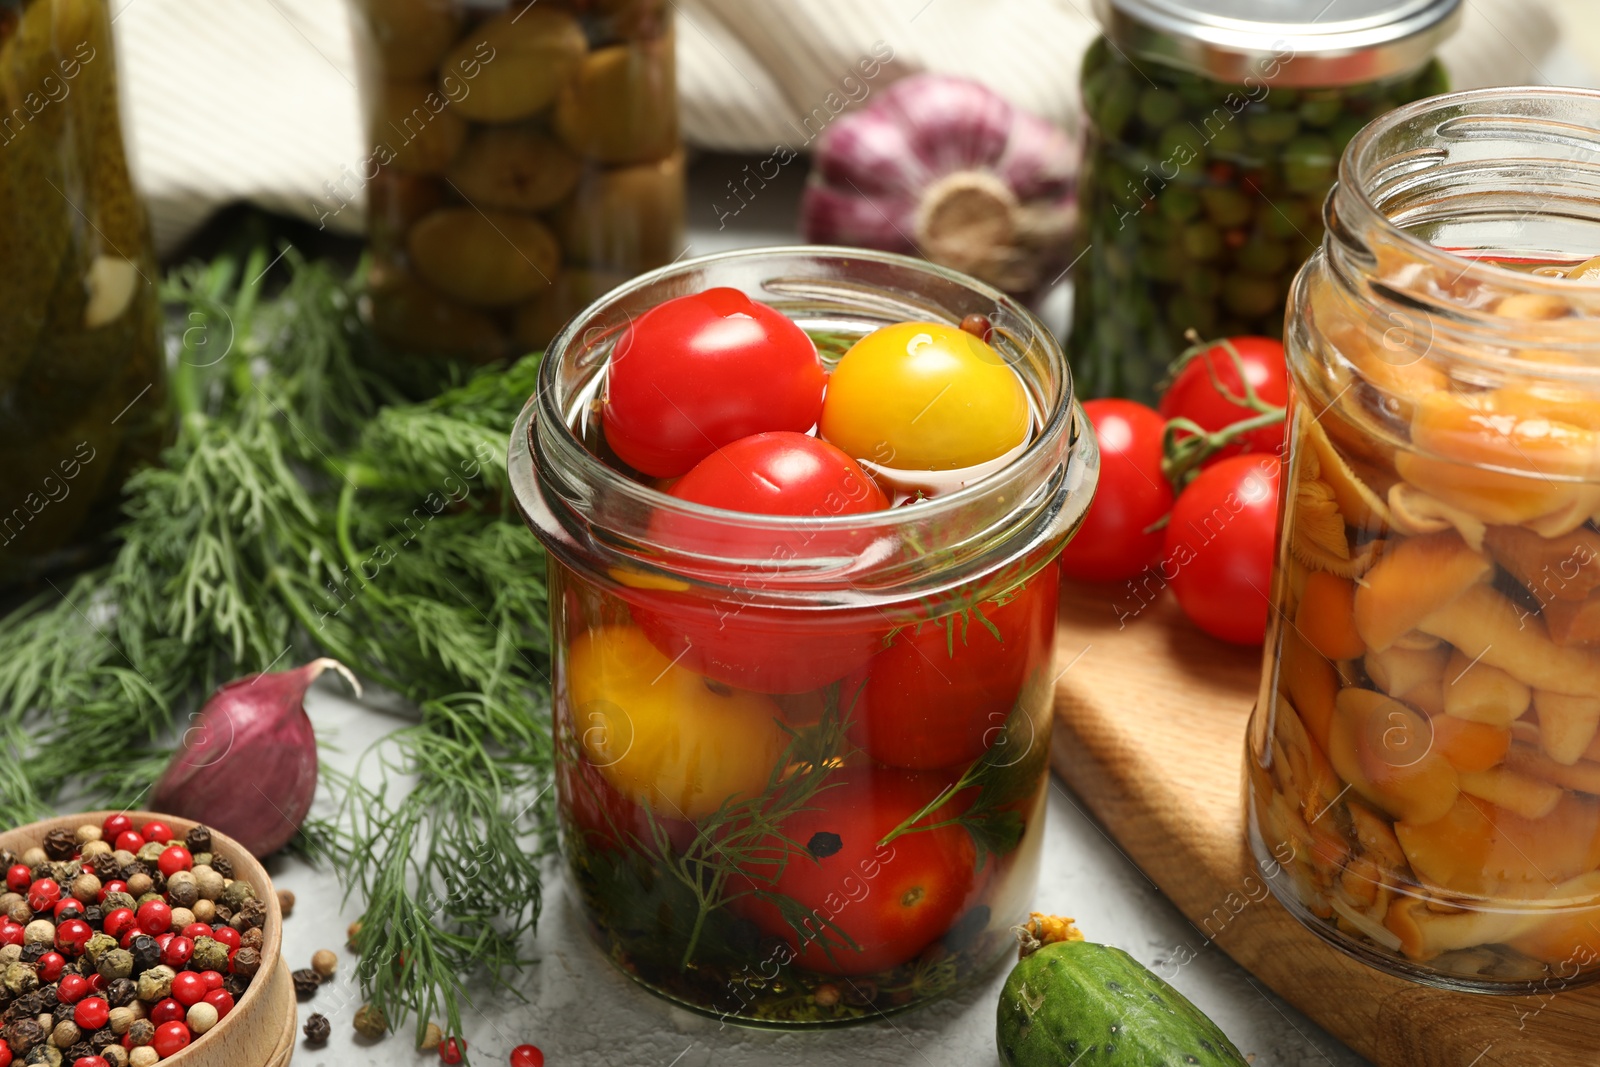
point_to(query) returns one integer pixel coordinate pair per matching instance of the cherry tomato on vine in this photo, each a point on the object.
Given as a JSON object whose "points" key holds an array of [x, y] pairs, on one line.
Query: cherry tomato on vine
{"points": [[939, 695], [701, 371], [1195, 396], [1220, 546], [1115, 540], [781, 473], [924, 396], [892, 900], [660, 733]]}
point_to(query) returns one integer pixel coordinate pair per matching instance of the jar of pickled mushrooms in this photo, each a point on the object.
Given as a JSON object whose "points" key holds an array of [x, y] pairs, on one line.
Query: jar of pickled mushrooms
{"points": [[1427, 741], [523, 159]]}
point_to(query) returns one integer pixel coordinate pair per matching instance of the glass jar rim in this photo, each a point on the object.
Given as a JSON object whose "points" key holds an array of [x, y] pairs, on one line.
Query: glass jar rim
{"points": [[552, 469], [1367, 207]]}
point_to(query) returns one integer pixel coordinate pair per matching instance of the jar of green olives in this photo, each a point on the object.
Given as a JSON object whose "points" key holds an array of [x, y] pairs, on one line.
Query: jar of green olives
{"points": [[82, 369], [1213, 131], [524, 159]]}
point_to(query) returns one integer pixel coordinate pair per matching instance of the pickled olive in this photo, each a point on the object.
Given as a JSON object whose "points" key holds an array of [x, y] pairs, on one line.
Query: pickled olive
{"points": [[514, 169], [522, 56], [625, 215], [1189, 178], [483, 258], [395, 201], [407, 313], [619, 108], [420, 128], [412, 36]]}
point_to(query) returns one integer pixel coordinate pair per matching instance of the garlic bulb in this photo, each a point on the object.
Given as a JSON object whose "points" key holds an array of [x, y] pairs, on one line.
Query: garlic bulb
{"points": [[946, 168]]}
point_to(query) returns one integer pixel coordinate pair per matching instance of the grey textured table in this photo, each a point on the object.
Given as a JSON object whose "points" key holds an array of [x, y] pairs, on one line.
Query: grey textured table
{"points": [[583, 1013]]}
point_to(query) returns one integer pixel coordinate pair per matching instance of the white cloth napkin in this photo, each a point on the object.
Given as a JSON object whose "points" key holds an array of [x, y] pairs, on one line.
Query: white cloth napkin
{"points": [[257, 100]]}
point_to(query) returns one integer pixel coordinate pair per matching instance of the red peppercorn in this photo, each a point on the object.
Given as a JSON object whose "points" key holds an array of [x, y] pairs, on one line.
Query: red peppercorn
{"points": [[166, 1010], [72, 988], [119, 922], [90, 1061], [5, 1053], [228, 936], [116, 885], [133, 932], [527, 1056], [19, 878], [158, 832], [212, 979], [155, 917], [71, 936], [97, 983], [220, 999], [11, 933], [115, 826], [177, 953], [170, 1039], [50, 965], [85, 868], [188, 988], [175, 859], [163, 940], [43, 894], [195, 931], [91, 1013], [70, 908], [130, 841], [451, 1048]]}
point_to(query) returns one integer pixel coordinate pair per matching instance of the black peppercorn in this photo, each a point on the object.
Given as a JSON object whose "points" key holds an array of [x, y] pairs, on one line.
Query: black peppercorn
{"points": [[103, 1037], [246, 961], [47, 999], [121, 992], [235, 985], [222, 866], [78, 1051], [43, 870], [251, 915], [8, 859], [306, 982], [25, 1007], [106, 867], [95, 916], [136, 867], [253, 938], [23, 1034], [198, 840], [33, 950], [146, 953], [63, 1012], [60, 844], [317, 1029]]}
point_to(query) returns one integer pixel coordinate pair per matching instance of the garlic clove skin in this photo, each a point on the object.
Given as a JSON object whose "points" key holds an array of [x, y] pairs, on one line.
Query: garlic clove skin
{"points": [[248, 766]]}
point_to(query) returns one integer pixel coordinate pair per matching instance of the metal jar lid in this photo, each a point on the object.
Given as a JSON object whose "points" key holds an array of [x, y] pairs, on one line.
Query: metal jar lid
{"points": [[1290, 43]]}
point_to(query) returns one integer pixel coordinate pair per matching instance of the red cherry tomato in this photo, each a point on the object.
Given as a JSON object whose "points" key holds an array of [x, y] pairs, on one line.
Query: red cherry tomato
{"points": [[701, 371], [1220, 546], [1115, 541], [915, 885], [940, 693], [1195, 396], [171, 1039], [781, 473], [522, 1056]]}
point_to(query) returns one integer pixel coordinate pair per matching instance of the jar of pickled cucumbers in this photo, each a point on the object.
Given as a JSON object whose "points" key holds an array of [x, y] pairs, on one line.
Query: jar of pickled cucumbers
{"points": [[82, 371], [1425, 746], [802, 640], [523, 158], [1212, 131]]}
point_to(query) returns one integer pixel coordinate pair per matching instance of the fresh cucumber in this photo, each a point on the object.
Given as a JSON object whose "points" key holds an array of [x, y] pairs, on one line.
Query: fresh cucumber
{"points": [[1089, 1005]]}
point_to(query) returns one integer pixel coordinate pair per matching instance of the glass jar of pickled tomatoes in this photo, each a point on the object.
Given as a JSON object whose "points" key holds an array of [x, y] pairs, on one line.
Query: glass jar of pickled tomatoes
{"points": [[802, 725], [1425, 746]]}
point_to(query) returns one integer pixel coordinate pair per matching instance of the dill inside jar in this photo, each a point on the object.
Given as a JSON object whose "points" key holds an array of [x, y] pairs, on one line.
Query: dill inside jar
{"points": [[1212, 138]]}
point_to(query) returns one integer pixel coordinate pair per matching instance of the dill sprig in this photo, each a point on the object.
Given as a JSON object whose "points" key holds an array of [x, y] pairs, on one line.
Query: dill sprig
{"points": [[302, 509]]}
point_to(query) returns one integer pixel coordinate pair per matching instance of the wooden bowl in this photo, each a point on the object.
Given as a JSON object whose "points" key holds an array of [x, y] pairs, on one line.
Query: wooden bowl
{"points": [[260, 1030]]}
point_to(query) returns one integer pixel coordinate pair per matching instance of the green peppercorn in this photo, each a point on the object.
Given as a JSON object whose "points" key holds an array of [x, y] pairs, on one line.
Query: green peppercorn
{"points": [[118, 963], [370, 1023], [209, 955], [156, 983], [98, 945], [20, 978], [117, 900], [237, 893]]}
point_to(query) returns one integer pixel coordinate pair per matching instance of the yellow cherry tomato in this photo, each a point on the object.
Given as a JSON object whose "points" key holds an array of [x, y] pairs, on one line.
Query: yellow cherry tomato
{"points": [[924, 396], [662, 734]]}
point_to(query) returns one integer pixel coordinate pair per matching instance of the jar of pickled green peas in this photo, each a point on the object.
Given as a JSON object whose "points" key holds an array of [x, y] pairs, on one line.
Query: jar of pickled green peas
{"points": [[1213, 129]]}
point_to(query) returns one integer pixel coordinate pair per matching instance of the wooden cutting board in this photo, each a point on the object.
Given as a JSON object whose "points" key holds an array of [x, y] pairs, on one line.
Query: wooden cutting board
{"points": [[1150, 733]]}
